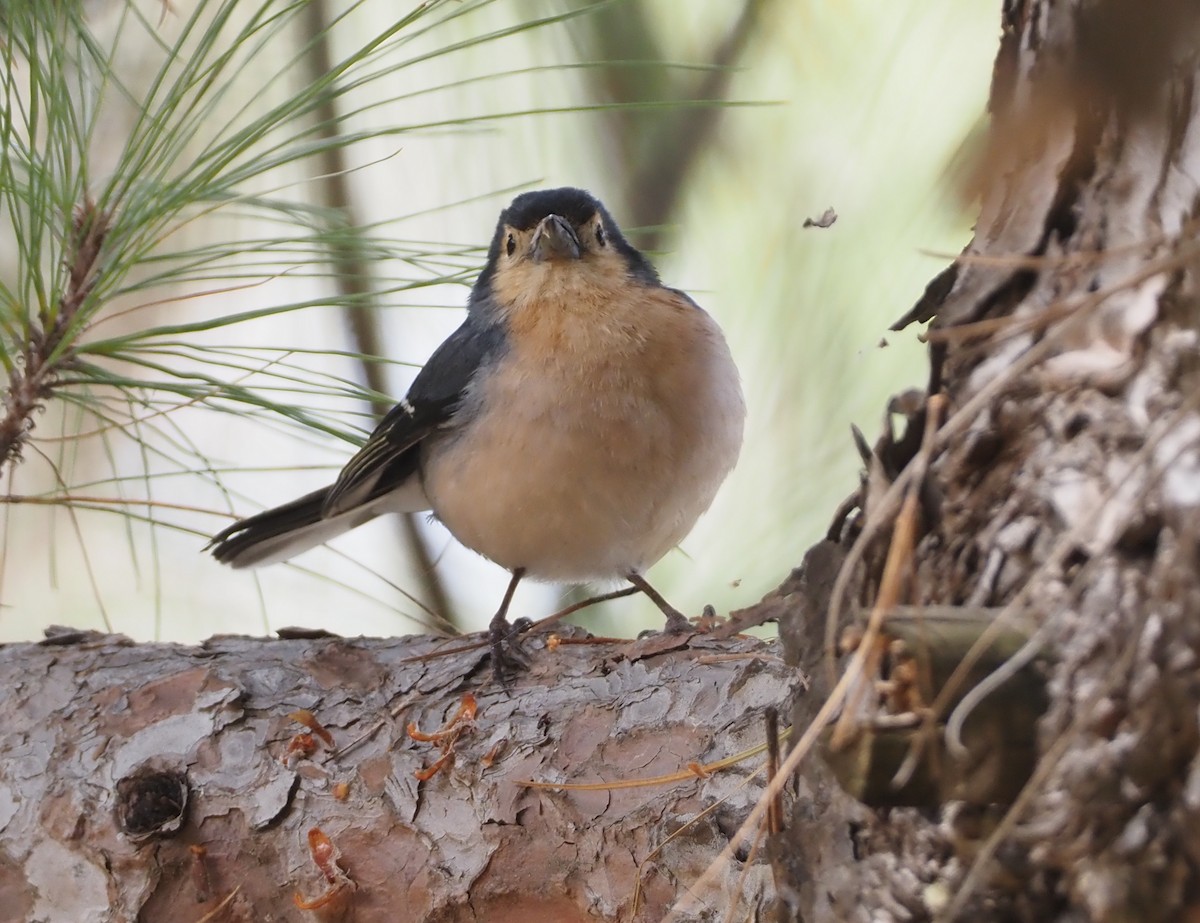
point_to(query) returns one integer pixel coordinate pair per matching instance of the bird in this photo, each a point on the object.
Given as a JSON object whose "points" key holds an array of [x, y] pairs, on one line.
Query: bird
{"points": [[573, 429]]}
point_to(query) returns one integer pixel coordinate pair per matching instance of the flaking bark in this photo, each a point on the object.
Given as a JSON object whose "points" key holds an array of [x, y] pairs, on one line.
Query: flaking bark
{"points": [[83, 719]]}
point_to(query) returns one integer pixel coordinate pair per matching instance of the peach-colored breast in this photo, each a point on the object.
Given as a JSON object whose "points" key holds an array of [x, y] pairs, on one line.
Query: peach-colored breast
{"points": [[596, 444]]}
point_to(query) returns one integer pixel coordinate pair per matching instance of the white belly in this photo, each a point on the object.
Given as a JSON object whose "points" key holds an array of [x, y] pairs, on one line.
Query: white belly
{"points": [[589, 469]]}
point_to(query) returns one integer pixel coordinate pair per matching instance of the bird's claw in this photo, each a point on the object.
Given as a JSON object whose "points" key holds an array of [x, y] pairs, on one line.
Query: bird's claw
{"points": [[677, 624], [508, 654]]}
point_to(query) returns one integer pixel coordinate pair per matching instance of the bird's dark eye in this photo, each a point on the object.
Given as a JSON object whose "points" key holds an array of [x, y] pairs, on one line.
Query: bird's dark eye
{"points": [[600, 239], [511, 246]]}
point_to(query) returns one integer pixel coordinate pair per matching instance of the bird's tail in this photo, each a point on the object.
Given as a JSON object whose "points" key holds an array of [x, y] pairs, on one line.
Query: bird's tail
{"points": [[284, 531], [278, 534]]}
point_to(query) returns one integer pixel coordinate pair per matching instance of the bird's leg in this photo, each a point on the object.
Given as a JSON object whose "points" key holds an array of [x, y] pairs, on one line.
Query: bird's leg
{"points": [[506, 652], [585, 603], [677, 623]]}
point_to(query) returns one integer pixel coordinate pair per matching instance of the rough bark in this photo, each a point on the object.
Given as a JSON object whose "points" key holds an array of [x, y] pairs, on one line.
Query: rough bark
{"points": [[1064, 487], [102, 738]]}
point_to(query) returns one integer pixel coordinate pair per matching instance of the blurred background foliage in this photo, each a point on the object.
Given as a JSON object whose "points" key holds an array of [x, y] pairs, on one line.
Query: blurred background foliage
{"points": [[281, 191]]}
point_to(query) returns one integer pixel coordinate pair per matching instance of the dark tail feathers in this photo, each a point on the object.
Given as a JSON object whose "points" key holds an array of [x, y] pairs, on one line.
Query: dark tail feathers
{"points": [[276, 534]]}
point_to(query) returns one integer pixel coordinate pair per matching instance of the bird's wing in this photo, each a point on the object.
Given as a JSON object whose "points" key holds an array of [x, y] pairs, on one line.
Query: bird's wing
{"points": [[391, 455]]}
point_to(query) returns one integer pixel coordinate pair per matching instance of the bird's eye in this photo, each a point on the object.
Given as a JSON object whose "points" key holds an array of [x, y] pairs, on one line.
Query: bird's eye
{"points": [[600, 239], [511, 246]]}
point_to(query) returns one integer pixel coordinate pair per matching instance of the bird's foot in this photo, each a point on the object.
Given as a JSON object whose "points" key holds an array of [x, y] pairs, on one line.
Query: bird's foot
{"points": [[509, 656], [677, 623]]}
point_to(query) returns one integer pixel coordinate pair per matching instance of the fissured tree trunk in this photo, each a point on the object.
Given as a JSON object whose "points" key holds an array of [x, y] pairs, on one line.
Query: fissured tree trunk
{"points": [[1062, 493]]}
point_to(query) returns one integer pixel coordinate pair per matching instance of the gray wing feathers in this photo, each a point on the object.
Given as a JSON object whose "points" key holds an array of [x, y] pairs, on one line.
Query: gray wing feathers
{"points": [[384, 475], [435, 394], [358, 480]]}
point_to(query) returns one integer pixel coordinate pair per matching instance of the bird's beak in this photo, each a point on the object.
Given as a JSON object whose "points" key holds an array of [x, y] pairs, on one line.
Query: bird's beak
{"points": [[555, 239]]}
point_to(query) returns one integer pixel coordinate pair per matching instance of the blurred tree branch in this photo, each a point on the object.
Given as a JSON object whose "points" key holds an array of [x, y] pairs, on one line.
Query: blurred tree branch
{"points": [[657, 150], [352, 275]]}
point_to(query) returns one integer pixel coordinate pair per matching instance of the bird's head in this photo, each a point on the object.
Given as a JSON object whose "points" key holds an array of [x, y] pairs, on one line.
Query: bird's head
{"points": [[558, 241]]}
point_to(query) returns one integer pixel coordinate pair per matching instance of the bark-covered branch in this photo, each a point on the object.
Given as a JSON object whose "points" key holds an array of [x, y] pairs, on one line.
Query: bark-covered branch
{"points": [[101, 736]]}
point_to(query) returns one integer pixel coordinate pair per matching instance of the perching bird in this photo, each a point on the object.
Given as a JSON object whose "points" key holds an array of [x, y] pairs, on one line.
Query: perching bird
{"points": [[572, 429]]}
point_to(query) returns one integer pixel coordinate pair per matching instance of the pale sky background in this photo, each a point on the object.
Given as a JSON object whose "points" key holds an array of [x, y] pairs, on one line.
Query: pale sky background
{"points": [[869, 104]]}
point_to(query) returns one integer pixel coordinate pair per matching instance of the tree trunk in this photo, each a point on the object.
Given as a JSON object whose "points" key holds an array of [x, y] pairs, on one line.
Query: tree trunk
{"points": [[1062, 488], [160, 782]]}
